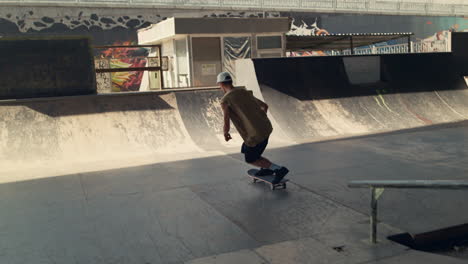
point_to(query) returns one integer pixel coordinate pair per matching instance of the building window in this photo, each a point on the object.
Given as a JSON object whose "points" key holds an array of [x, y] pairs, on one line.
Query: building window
{"points": [[269, 42]]}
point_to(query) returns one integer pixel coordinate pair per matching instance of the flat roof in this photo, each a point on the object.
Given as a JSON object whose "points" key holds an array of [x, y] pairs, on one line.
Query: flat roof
{"points": [[339, 41], [187, 26]]}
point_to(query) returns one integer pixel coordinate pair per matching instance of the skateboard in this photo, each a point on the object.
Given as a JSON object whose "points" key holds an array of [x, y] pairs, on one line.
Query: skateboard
{"points": [[268, 179]]}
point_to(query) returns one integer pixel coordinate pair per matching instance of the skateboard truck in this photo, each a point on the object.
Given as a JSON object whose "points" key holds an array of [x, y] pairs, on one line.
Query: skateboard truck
{"points": [[268, 179]]}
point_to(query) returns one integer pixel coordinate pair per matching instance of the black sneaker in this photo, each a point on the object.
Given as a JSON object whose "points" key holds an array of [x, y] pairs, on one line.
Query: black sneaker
{"points": [[264, 172], [279, 175]]}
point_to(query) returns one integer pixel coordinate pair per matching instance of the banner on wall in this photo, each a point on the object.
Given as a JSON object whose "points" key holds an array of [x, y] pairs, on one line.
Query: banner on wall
{"points": [[235, 48]]}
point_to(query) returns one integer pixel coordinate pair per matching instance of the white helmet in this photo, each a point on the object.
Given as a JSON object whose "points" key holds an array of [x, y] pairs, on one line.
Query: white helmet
{"points": [[224, 77]]}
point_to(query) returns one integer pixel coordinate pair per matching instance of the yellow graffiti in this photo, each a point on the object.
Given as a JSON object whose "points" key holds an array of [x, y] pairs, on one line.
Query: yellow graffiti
{"points": [[380, 99], [377, 101]]}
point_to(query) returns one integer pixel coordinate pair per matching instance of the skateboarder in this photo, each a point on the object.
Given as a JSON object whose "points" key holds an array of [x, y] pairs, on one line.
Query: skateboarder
{"points": [[249, 116]]}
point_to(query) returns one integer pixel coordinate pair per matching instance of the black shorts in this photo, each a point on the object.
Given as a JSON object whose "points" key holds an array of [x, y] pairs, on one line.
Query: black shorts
{"points": [[253, 154]]}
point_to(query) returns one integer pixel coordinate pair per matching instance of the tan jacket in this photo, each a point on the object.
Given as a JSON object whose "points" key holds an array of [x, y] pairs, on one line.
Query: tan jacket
{"points": [[249, 119]]}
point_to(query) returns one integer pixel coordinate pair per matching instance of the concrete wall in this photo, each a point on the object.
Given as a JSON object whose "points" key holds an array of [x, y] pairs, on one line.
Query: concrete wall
{"points": [[106, 26], [224, 26], [157, 32], [459, 43]]}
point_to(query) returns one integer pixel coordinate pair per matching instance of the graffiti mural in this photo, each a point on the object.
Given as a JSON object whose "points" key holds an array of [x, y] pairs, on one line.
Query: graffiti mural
{"points": [[303, 29], [122, 57], [105, 26], [103, 30]]}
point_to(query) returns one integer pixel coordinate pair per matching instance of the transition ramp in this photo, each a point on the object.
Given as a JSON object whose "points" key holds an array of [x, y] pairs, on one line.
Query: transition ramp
{"points": [[315, 98]]}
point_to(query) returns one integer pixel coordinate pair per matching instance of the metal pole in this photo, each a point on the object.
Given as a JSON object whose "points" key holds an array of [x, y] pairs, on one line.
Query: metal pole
{"points": [[352, 44], [373, 217], [409, 44], [161, 75]]}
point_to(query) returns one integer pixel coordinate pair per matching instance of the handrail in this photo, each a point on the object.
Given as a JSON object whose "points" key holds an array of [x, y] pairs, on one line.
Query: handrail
{"points": [[416, 47], [411, 184], [420, 7], [377, 188]]}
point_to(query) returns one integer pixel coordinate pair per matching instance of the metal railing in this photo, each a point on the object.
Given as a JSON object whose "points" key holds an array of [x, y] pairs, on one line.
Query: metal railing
{"points": [[378, 187], [421, 7], [416, 47]]}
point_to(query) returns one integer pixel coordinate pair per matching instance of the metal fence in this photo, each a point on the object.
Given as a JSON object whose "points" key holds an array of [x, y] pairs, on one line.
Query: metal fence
{"points": [[421, 7], [416, 47]]}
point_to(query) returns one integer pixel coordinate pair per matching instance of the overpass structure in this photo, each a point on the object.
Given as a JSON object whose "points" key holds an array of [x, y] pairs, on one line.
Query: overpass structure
{"points": [[393, 7]]}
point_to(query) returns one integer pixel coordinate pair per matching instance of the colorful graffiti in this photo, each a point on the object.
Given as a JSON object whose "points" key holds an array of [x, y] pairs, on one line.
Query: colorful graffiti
{"points": [[307, 53], [122, 57], [303, 29], [307, 30]]}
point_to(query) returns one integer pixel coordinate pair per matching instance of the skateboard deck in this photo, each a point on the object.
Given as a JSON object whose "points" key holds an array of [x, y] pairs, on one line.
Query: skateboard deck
{"points": [[268, 179]]}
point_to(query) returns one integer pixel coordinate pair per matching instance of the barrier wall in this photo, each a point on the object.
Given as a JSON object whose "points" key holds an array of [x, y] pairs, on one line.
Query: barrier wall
{"points": [[41, 67]]}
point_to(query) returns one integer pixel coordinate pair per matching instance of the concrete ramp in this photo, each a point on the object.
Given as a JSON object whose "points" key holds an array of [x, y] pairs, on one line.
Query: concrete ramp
{"points": [[310, 99], [202, 115], [315, 98], [91, 128], [99, 129]]}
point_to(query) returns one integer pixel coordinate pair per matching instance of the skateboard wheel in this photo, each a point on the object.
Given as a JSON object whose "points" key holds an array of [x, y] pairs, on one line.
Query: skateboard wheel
{"points": [[254, 180], [273, 187]]}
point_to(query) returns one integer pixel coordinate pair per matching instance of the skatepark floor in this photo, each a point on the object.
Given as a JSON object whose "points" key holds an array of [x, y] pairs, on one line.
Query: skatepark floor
{"points": [[206, 210]]}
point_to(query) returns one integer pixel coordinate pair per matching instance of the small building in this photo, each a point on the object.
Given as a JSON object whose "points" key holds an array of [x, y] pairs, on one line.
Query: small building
{"points": [[197, 49]]}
